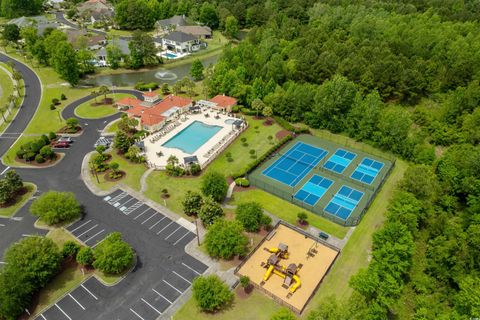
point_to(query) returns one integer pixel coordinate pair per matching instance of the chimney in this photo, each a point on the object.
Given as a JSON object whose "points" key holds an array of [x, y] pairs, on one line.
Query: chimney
{"points": [[150, 90], [224, 94]]}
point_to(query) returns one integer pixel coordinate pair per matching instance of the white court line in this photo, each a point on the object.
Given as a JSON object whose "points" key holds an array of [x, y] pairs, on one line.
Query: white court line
{"points": [[172, 233], [6, 169], [28, 235], [2, 225], [41, 315], [66, 315], [181, 238], [1, 262], [80, 226], [156, 223], [182, 277], [161, 295], [94, 235], [191, 268], [149, 218], [136, 314], [76, 301], [151, 306], [122, 204], [173, 287], [87, 231], [89, 291], [141, 213], [165, 227]]}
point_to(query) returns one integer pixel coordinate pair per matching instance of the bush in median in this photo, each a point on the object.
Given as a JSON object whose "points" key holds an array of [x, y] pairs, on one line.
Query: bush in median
{"points": [[55, 207], [211, 293], [113, 255], [225, 239]]}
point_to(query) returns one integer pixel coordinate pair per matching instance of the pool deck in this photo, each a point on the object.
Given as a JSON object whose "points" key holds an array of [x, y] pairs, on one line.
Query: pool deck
{"points": [[151, 148]]}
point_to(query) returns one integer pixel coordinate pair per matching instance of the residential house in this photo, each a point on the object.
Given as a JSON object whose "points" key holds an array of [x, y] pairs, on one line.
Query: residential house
{"points": [[101, 54], [78, 38], [171, 24], [201, 32], [95, 11], [55, 4], [223, 103], [39, 22], [181, 42], [153, 113]]}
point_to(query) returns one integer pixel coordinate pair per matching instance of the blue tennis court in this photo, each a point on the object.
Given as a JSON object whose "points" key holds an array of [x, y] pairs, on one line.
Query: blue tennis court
{"points": [[367, 170], [339, 161], [313, 189], [344, 202], [295, 164]]}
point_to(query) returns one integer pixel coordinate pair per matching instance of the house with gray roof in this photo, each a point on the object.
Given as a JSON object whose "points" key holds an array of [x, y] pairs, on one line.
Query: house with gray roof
{"points": [[181, 42], [201, 32], [171, 23], [39, 22]]}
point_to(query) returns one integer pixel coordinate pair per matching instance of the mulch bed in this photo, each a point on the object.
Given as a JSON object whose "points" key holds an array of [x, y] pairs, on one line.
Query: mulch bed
{"points": [[268, 122], [103, 102], [244, 293], [66, 130], [301, 225], [282, 134], [40, 165], [15, 198], [242, 189], [107, 176]]}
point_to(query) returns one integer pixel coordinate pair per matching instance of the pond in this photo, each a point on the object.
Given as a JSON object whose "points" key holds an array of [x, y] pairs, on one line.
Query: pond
{"points": [[160, 75]]}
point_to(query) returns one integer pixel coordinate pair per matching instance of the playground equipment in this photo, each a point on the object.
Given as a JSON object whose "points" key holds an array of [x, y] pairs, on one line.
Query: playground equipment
{"points": [[289, 274]]}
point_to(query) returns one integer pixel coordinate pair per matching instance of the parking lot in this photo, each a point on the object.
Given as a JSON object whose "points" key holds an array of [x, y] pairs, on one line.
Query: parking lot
{"points": [[89, 231]]}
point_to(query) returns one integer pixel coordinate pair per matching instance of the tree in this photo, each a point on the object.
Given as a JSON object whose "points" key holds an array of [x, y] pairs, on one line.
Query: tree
{"points": [[393, 129], [14, 180], [114, 55], [467, 301], [143, 51], [283, 314], [225, 239], [104, 90], [134, 15], [16, 8], [6, 192], [64, 61], [231, 27], [192, 203], [84, 59], [122, 141], [72, 123], [267, 111], [113, 255], [210, 211], [196, 70], [47, 153], [11, 32], [302, 217], [208, 15], [210, 293], [114, 166], [85, 256], [56, 207], [165, 88], [245, 282], [258, 105], [214, 184], [421, 181], [70, 249], [250, 215]]}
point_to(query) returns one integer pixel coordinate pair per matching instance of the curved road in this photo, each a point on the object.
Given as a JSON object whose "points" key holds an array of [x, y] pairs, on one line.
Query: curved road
{"points": [[159, 261]]}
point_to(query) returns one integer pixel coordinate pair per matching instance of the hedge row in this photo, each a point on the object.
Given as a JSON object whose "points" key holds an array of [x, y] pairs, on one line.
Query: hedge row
{"points": [[251, 166], [142, 86], [287, 126]]}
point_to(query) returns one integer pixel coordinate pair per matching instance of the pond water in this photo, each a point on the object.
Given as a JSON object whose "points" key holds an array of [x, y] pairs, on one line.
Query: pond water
{"points": [[160, 75]]}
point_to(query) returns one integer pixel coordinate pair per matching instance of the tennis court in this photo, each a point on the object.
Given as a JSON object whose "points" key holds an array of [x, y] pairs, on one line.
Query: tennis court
{"points": [[313, 189], [295, 164], [344, 202], [339, 161], [367, 170]]}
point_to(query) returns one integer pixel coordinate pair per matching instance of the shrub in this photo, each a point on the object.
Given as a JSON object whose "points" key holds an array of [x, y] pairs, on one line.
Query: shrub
{"points": [[55, 207], [225, 239], [214, 184], [52, 107], [72, 123], [302, 217], [283, 314], [242, 182], [47, 152], [245, 282], [210, 211], [210, 293], [39, 158], [250, 215], [142, 86], [85, 256], [287, 126], [55, 101], [192, 202], [235, 109], [195, 169], [63, 97], [70, 249], [113, 255], [52, 135], [248, 112]]}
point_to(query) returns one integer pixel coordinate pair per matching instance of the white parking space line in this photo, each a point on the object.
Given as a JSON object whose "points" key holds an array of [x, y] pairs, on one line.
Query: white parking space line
{"points": [[181, 237], [96, 234], [80, 226], [28, 235], [156, 223], [89, 291], [6, 169], [173, 287], [149, 218], [165, 227], [128, 201], [191, 268], [172, 233], [182, 277], [78, 236], [76, 301], [135, 313], [66, 315], [1, 262], [161, 295], [151, 306], [41, 315], [141, 214]]}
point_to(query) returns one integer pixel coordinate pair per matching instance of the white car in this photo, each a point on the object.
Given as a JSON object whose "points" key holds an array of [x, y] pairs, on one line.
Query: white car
{"points": [[65, 139]]}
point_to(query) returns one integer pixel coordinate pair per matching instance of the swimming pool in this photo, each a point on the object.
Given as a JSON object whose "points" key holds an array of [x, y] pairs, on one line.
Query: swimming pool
{"points": [[192, 137], [170, 55]]}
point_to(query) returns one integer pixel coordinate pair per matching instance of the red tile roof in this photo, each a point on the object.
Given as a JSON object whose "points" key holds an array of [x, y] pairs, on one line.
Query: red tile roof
{"points": [[150, 94], [224, 101]]}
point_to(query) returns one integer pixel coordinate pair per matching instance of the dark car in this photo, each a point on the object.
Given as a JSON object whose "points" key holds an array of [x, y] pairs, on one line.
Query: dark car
{"points": [[61, 144]]}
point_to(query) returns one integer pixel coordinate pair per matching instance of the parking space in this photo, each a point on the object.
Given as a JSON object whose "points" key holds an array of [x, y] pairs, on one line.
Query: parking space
{"points": [[149, 218], [89, 231]]}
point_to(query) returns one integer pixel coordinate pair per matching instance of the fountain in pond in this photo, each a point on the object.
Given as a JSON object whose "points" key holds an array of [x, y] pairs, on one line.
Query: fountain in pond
{"points": [[166, 75]]}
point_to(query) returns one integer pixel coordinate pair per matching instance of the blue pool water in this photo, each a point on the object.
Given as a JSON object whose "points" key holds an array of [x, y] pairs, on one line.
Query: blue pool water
{"points": [[170, 55], [192, 137]]}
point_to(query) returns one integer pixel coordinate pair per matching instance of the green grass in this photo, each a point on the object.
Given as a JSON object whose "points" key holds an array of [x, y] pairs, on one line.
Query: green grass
{"points": [[255, 306], [134, 173], [288, 211], [9, 211], [87, 111], [7, 90], [112, 127], [355, 255]]}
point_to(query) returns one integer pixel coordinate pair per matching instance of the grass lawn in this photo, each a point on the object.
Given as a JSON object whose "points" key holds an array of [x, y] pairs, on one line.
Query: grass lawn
{"points": [[288, 211], [9, 211], [87, 111], [112, 127], [256, 306], [132, 179], [6, 90]]}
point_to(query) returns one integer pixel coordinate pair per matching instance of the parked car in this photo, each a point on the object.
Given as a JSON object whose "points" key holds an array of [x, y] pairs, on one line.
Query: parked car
{"points": [[65, 139], [102, 141], [61, 144]]}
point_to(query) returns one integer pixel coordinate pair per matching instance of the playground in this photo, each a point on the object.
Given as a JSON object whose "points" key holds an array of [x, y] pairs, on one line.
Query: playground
{"points": [[289, 265]]}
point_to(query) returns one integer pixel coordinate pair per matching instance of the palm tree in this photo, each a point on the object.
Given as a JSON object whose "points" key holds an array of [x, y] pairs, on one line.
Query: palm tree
{"points": [[2, 110], [104, 90], [94, 94]]}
